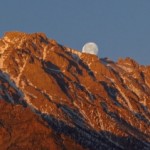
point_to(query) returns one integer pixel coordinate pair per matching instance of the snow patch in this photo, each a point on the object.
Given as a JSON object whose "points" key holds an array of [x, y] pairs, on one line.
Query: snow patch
{"points": [[6, 77], [21, 71], [44, 52], [3, 55], [126, 68], [77, 53]]}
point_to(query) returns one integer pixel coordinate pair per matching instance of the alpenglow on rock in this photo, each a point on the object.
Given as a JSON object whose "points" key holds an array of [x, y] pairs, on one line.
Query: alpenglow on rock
{"points": [[53, 97], [90, 48]]}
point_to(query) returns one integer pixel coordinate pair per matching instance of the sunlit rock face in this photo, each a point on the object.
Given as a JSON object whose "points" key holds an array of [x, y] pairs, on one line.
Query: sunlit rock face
{"points": [[61, 98]]}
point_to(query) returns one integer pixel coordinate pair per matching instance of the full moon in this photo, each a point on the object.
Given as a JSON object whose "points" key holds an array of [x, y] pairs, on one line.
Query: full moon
{"points": [[90, 48]]}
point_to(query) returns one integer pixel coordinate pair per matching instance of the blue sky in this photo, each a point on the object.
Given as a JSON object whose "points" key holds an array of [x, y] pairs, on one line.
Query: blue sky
{"points": [[121, 28]]}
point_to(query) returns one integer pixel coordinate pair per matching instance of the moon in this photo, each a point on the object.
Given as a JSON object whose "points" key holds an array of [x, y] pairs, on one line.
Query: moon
{"points": [[90, 48]]}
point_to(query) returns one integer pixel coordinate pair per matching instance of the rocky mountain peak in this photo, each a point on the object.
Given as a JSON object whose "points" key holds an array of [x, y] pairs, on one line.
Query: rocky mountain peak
{"points": [[128, 62], [85, 101]]}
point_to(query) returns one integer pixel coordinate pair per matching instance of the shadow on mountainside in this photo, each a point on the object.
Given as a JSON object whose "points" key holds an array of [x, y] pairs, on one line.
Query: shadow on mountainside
{"points": [[79, 131], [56, 73], [9, 90], [92, 139], [113, 93]]}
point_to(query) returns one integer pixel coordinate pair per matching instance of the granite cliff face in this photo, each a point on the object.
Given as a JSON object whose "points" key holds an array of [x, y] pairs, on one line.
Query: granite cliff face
{"points": [[54, 97]]}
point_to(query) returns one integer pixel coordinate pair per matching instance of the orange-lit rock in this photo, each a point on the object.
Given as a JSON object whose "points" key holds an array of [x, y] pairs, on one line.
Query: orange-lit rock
{"points": [[82, 101]]}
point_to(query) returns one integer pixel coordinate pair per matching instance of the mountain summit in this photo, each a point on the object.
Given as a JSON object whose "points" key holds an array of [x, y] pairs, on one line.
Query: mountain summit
{"points": [[56, 98]]}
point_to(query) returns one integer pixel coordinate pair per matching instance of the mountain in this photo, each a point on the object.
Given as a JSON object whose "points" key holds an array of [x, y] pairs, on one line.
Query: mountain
{"points": [[53, 97]]}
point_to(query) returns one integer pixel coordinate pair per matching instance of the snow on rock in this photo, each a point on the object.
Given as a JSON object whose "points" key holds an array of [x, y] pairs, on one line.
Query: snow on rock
{"points": [[94, 102]]}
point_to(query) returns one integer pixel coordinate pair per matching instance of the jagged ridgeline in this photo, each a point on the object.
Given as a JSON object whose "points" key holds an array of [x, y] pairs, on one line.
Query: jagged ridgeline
{"points": [[55, 97]]}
